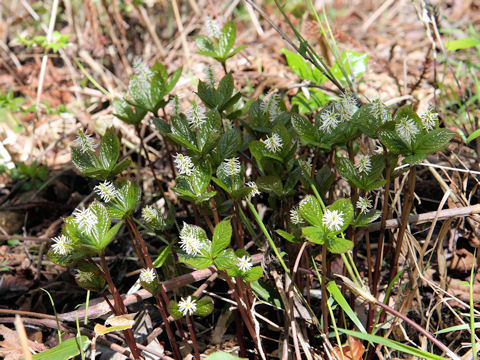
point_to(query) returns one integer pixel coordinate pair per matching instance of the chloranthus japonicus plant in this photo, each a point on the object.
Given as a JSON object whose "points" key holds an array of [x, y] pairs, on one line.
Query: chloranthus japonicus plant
{"points": [[230, 156]]}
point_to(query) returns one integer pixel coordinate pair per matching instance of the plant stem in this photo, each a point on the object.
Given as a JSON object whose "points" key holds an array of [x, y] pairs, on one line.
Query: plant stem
{"points": [[161, 305], [324, 289], [120, 309], [193, 335]]}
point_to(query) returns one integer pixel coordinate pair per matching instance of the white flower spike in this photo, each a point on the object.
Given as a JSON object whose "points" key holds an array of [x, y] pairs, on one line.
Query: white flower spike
{"points": [[274, 143], [187, 306], [63, 245], [149, 213], [190, 240], [363, 164], [379, 111], [213, 29], [196, 116], [295, 217], [329, 121], [86, 219], [231, 166], [333, 219], [364, 204], [244, 263], [270, 106], [255, 191], [429, 118], [106, 191], [148, 276], [184, 164], [406, 129], [85, 142]]}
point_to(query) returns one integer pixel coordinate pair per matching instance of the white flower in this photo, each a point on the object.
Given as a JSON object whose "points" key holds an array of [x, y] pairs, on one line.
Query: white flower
{"points": [[270, 106], [141, 69], [231, 166], [329, 121], [429, 118], [190, 239], [406, 129], [196, 116], [148, 275], [348, 106], [85, 218], [187, 306], [210, 76], [149, 213], [184, 164], [295, 216], [175, 104], [379, 111], [306, 167], [244, 263], [85, 142], [333, 219], [364, 204], [363, 164], [274, 143], [213, 29], [254, 188], [106, 191], [63, 245], [85, 276]]}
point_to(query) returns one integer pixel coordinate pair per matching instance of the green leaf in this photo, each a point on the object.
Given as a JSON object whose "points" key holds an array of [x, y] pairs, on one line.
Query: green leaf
{"points": [[461, 44], [220, 355], [224, 90], [174, 310], [90, 281], [348, 171], [198, 262], [315, 100], [393, 142], [84, 161], [66, 350], [473, 136], [221, 237], [207, 94], [311, 210], [355, 63], [226, 260], [117, 169], [337, 295], [287, 236], [364, 219], [414, 159], [227, 38], [303, 127], [338, 245], [433, 141], [227, 146], [109, 149], [204, 306], [110, 235], [205, 45], [298, 65], [173, 80], [314, 234], [270, 184], [163, 255], [253, 274]]}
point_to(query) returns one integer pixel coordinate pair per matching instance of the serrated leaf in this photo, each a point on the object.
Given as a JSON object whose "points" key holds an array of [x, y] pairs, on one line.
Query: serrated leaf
{"points": [[204, 306], [364, 219], [253, 274], [174, 310], [84, 161], [311, 210], [109, 149], [227, 146], [414, 159], [433, 141], [270, 184], [204, 44], [198, 262], [393, 142], [226, 259], [338, 245], [303, 127], [222, 235], [348, 171], [227, 38], [314, 234], [224, 90]]}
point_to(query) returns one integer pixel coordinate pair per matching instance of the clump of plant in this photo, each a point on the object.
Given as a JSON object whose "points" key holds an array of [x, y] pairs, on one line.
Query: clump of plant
{"points": [[229, 155]]}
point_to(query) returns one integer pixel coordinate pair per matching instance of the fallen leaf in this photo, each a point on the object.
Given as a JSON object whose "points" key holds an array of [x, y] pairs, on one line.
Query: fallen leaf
{"points": [[10, 347], [357, 349]]}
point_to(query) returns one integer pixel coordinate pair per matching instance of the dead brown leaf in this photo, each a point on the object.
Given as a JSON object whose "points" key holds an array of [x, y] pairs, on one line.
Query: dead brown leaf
{"points": [[10, 347], [353, 350]]}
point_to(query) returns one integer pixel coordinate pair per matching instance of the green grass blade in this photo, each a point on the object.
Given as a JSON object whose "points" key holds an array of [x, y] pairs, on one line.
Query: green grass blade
{"points": [[392, 344], [340, 299]]}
